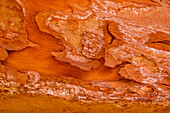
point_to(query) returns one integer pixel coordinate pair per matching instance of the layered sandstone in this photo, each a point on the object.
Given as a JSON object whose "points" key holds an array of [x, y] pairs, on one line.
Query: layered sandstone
{"points": [[106, 50]]}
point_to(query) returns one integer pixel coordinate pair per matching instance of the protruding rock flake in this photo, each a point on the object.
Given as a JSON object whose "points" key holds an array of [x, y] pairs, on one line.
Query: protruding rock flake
{"points": [[33, 77], [13, 35], [8, 83], [83, 37]]}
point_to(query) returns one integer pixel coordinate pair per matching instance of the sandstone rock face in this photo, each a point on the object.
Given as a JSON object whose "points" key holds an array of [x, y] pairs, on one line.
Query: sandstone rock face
{"points": [[130, 36], [140, 34]]}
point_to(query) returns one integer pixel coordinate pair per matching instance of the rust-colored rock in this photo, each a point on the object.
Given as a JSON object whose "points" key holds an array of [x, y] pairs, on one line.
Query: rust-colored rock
{"points": [[83, 37], [86, 50], [12, 74], [13, 35], [3, 54]]}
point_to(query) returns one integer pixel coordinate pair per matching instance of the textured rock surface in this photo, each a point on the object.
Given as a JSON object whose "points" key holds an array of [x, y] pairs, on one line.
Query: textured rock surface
{"points": [[121, 49], [13, 35]]}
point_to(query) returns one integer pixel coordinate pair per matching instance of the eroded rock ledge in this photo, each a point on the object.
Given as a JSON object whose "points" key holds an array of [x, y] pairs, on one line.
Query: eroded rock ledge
{"points": [[139, 35], [134, 35]]}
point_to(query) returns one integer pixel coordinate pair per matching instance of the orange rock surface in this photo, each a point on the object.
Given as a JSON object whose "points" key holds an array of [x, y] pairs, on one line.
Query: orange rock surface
{"points": [[87, 50]]}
